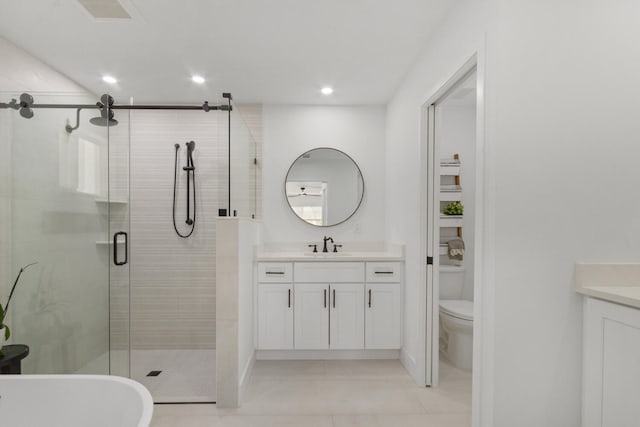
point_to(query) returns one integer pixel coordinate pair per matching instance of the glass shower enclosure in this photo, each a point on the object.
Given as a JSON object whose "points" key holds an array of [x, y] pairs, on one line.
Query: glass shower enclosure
{"points": [[116, 290]]}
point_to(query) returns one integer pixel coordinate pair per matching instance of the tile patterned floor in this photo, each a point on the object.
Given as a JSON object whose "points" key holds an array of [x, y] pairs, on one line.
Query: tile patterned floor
{"points": [[371, 393]]}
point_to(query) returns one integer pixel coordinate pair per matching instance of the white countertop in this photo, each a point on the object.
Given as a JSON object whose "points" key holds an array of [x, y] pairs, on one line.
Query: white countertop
{"points": [[618, 283], [329, 256]]}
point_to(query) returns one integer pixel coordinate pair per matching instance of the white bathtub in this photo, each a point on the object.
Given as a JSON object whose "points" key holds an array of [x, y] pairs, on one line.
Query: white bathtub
{"points": [[73, 401]]}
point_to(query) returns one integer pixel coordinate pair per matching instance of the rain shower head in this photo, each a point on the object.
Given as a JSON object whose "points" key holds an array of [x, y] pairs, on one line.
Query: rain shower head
{"points": [[103, 121]]}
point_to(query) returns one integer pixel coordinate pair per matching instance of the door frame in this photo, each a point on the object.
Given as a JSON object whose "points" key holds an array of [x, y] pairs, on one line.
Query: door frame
{"points": [[428, 356]]}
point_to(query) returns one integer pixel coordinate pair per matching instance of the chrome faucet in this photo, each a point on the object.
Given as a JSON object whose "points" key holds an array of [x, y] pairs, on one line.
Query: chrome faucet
{"points": [[324, 247]]}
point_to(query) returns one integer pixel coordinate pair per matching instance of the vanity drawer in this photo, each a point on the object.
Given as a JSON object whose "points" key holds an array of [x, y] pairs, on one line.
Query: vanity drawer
{"points": [[328, 272], [275, 272], [384, 272]]}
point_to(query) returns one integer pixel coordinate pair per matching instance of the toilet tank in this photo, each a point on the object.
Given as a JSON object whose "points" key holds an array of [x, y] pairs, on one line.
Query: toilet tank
{"points": [[451, 281]]}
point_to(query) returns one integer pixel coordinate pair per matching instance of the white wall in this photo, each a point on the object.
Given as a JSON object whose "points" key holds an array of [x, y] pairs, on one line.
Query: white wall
{"points": [[289, 131], [560, 161], [456, 41]]}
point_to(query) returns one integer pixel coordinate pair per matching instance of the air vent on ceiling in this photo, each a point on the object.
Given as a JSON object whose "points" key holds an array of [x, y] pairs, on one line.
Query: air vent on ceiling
{"points": [[105, 9]]}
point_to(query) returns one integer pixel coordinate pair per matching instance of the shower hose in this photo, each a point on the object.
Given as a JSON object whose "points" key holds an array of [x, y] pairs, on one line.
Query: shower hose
{"points": [[189, 168]]}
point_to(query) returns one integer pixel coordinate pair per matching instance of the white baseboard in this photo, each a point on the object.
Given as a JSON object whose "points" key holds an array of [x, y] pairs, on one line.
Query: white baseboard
{"points": [[409, 363], [246, 375], [326, 354]]}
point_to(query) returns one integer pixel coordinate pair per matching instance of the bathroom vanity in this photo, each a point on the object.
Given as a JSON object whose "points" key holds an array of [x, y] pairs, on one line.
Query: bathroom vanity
{"points": [[329, 305], [611, 346]]}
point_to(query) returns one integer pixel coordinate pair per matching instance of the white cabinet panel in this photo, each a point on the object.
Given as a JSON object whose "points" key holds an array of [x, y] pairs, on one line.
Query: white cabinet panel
{"points": [[328, 272], [384, 272], [611, 365], [621, 375], [311, 313], [275, 272], [383, 317], [275, 316], [346, 317]]}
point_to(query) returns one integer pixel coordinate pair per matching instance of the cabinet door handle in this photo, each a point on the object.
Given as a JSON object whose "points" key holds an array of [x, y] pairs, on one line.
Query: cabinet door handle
{"points": [[334, 298], [274, 272], [383, 272], [325, 298], [369, 298], [289, 302]]}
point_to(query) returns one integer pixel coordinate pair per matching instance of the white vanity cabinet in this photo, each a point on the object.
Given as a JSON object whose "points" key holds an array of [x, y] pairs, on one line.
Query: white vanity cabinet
{"points": [[275, 306], [611, 365], [336, 305]]}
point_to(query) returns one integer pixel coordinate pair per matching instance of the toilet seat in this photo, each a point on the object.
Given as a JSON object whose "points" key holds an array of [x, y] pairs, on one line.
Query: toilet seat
{"points": [[458, 308]]}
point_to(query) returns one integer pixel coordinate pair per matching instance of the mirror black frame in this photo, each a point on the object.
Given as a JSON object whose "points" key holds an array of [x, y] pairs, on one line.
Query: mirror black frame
{"points": [[359, 201]]}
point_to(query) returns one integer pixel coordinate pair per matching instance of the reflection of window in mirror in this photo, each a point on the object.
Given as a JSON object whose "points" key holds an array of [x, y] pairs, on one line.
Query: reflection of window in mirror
{"points": [[88, 167], [308, 200]]}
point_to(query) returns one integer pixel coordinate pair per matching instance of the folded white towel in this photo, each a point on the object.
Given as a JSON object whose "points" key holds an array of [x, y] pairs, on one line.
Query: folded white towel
{"points": [[455, 249]]}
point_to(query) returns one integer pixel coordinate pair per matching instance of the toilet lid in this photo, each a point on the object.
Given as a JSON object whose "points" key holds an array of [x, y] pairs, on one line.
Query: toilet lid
{"points": [[459, 308]]}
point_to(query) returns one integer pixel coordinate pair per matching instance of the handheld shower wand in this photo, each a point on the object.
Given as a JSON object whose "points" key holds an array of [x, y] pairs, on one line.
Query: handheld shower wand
{"points": [[191, 176]]}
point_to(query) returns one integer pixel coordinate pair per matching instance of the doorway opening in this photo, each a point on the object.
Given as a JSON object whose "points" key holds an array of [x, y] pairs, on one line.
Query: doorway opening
{"points": [[451, 183]]}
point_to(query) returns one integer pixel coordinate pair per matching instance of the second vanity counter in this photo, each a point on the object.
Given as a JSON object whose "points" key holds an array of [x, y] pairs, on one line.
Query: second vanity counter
{"points": [[617, 283]]}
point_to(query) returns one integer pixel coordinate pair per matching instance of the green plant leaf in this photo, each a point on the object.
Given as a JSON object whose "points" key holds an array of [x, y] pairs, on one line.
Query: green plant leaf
{"points": [[7, 332]]}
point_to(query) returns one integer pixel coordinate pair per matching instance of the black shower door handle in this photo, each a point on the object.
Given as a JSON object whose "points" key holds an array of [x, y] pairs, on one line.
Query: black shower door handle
{"points": [[115, 248]]}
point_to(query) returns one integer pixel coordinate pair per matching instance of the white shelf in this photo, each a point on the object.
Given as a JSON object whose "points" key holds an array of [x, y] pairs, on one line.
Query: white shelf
{"points": [[450, 220], [443, 248], [450, 268], [113, 201], [449, 169], [450, 196]]}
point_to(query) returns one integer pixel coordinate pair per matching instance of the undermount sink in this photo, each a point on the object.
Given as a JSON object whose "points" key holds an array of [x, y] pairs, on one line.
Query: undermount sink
{"points": [[327, 254]]}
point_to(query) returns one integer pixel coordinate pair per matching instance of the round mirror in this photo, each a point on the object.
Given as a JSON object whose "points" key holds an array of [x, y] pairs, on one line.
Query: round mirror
{"points": [[324, 187]]}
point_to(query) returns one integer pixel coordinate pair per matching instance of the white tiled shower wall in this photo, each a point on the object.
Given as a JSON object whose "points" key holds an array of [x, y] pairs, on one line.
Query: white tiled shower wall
{"points": [[173, 279]]}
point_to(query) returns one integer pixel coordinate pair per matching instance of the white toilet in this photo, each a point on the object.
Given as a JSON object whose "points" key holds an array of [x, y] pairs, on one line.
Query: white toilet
{"points": [[456, 318]]}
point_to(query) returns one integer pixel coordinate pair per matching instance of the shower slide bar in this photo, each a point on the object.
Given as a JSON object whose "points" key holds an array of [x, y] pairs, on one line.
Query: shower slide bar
{"points": [[26, 105], [106, 105]]}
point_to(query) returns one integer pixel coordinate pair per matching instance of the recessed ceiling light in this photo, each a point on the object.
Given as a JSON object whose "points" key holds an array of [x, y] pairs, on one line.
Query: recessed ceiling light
{"points": [[197, 79], [109, 79], [327, 90]]}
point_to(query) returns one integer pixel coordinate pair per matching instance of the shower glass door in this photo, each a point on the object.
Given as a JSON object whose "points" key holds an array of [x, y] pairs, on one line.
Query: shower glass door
{"points": [[172, 251], [54, 211], [118, 206]]}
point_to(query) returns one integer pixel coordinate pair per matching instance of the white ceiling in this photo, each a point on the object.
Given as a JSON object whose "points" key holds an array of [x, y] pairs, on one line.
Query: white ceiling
{"points": [[270, 51]]}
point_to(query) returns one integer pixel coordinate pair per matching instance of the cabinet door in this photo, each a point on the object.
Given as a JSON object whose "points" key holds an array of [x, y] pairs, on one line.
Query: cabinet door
{"points": [[311, 312], [346, 317], [383, 317], [275, 316], [611, 365]]}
